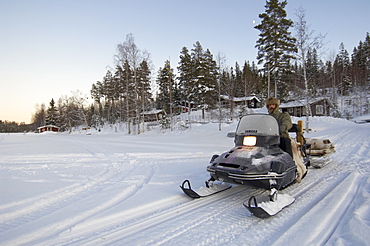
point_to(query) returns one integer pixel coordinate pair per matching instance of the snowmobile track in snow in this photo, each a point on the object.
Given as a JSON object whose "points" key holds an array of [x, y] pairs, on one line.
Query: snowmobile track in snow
{"points": [[226, 208], [199, 214], [56, 201], [192, 209], [319, 233]]}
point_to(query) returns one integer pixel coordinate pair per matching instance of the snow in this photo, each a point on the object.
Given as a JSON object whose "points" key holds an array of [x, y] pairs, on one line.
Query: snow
{"points": [[109, 188]]}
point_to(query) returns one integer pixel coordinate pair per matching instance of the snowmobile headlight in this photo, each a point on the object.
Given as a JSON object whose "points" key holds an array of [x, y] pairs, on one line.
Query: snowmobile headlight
{"points": [[250, 140]]}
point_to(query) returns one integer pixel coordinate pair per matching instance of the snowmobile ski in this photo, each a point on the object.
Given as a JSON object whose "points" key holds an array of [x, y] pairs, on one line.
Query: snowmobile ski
{"points": [[268, 208], [203, 191]]}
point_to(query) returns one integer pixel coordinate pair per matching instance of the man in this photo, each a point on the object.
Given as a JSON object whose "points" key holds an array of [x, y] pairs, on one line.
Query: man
{"points": [[284, 121]]}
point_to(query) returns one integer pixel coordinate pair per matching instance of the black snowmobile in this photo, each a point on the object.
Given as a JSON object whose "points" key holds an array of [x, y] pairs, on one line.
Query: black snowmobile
{"points": [[256, 160]]}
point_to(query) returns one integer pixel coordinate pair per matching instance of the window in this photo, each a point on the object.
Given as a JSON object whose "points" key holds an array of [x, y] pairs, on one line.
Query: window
{"points": [[320, 109]]}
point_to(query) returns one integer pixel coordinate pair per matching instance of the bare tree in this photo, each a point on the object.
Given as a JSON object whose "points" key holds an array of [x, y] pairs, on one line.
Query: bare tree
{"points": [[221, 65], [306, 42], [130, 55], [79, 99], [71, 111], [38, 118]]}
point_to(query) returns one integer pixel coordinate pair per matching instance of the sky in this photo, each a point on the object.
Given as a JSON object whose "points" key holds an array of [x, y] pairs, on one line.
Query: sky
{"points": [[52, 48]]}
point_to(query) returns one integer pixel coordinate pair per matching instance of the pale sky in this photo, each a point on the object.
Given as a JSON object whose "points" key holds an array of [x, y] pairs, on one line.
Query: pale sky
{"points": [[49, 48]]}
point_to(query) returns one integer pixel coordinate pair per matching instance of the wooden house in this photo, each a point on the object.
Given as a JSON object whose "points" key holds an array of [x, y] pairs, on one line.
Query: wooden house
{"points": [[319, 107], [250, 101], [153, 115], [48, 128]]}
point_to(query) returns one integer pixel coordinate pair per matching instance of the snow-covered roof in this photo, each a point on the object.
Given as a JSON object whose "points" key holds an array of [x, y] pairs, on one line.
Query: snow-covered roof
{"points": [[240, 99], [298, 103], [48, 126], [301, 103], [153, 111]]}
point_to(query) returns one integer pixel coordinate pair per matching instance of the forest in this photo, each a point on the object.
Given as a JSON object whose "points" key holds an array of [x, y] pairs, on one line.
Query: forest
{"points": [[288, 66]]}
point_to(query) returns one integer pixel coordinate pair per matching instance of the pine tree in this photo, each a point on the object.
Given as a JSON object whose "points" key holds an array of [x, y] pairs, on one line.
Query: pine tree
{"points": [[163, 89], [111, 94], [204, 79], [97, 94], [312, 68], [198, 77], [197, 81], [367, 55], [185, 78], [224, 78], [239, 83], [251, 79], [144, 89], [166, 83], [97, 91], [210, 72], [118, 79], [127, 93], [361, 62], [51, 114], [276, 46], [248, 79], [342, 66]]}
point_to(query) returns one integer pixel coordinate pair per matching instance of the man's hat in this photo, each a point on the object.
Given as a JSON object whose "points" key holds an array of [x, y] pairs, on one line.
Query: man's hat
{"points": [[272, 100]]}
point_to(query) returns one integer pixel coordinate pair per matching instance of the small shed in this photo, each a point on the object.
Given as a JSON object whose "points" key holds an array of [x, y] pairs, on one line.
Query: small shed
{"points": [[250, 101], [153, 115], [48, 128], [319, 107]]}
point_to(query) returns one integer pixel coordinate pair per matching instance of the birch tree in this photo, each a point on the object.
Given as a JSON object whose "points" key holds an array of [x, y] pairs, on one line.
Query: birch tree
{"points": [[221, 65], [306, 44], [129, 54]]}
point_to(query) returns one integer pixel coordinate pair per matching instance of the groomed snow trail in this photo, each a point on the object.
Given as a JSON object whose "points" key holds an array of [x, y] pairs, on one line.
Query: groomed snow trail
{"points": [[120, 190]]}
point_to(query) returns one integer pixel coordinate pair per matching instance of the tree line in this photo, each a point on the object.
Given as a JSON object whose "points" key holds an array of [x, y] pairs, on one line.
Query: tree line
{"points": [[125, 93], [288, 66]]}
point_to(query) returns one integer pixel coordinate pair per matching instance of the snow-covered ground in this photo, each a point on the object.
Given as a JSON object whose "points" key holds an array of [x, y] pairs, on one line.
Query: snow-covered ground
{"points": [[115, 189]]}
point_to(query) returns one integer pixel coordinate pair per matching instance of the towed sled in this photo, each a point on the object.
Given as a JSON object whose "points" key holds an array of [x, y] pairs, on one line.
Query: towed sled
{"points": [[257, 160]]}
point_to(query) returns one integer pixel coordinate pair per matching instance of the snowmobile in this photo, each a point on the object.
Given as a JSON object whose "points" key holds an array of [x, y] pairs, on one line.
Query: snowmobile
{"points": [[255, 160]]}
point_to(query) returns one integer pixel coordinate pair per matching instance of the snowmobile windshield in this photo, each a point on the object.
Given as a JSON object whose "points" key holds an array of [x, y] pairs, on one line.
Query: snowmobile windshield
{"points": [[258, 124]]}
